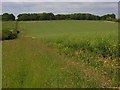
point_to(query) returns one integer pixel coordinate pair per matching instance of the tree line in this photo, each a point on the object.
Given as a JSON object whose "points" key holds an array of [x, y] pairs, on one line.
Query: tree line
{"points": [[51, 16], [7, 17], [75, 16]]}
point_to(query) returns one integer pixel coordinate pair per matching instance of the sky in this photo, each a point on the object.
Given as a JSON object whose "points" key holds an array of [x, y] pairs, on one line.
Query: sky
{"points": [[59, 0], [97, 7]]}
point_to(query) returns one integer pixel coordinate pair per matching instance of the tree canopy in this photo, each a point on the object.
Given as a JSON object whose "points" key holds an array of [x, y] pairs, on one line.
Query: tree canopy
{"points": [[51, 16], [75, 16], [8, 17]]}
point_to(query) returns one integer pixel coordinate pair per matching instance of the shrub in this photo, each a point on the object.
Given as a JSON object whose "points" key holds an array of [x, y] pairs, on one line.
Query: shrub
{"points": [[8, 34]]}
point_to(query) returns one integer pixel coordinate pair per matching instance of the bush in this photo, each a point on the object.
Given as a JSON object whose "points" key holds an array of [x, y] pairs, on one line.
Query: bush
{"points": [[9, 34], [116, 20]]}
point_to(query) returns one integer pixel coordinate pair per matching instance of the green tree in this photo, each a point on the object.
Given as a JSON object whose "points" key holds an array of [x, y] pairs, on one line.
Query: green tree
{"points": [[8, 17]]}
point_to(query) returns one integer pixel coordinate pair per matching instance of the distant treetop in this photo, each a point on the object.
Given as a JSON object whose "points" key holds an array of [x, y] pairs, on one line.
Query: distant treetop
{"points": [[51, 16], [8, 17]]}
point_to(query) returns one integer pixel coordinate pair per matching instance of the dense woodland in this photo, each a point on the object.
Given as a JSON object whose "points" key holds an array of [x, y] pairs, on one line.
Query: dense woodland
{"points": [[51, 16]]}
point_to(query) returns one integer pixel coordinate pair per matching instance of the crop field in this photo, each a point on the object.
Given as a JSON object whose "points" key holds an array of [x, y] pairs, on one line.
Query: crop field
{"points": [[61, 54]]}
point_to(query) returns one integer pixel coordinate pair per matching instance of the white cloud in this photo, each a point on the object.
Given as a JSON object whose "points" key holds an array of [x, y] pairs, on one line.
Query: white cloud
{"points": [[60, 0]]}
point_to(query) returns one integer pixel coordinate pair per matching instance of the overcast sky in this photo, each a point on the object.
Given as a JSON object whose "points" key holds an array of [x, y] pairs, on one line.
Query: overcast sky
{"points": [[59, 0], [58, 6]]}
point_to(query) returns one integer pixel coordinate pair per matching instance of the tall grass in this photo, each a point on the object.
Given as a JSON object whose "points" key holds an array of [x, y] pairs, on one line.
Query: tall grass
{"points": [[80, 54], [94, 42]]}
